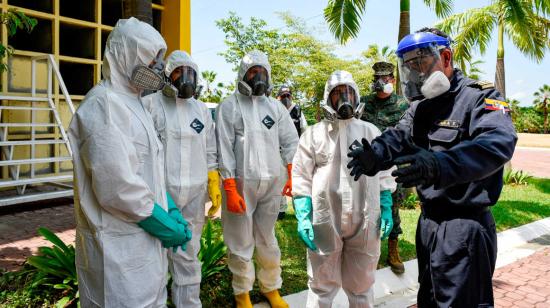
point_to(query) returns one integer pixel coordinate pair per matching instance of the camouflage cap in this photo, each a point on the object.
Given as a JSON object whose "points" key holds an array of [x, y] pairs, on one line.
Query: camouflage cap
{"points": [[383, 68], [284, 90]]}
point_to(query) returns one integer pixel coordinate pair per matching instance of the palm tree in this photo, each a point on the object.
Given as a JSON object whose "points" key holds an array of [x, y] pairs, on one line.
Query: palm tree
{"points": [[375, 54], [473, 70], [542, 99], [524, 22], [344, 18], [140, 9]]}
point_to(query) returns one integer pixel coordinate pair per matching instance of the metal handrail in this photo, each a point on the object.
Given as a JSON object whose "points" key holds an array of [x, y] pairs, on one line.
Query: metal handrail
{"points": [[52, 66]]}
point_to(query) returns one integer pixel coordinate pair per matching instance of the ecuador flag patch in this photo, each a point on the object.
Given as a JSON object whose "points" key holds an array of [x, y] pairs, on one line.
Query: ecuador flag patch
{"points": [[493, 104]]}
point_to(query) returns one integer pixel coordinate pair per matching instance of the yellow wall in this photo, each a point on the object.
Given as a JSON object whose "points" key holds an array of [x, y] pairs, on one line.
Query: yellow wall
{"points": [[75, 33]]}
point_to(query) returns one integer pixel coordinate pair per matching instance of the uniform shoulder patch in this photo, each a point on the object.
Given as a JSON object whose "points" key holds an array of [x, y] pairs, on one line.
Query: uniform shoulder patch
{"points": [[493, 104], [482, 85]]}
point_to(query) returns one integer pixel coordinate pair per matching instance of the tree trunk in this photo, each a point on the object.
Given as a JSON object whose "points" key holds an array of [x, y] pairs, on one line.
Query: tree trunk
{"points": [[404, 30], [140, 9], [500, 82], [545, 106]]}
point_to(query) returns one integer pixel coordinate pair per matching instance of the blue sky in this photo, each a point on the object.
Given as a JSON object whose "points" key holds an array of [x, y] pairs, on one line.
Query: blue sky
{"points": [[523, 76]]}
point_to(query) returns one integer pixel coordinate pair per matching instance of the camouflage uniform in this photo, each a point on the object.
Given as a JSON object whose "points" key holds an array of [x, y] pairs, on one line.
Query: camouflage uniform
{"points": [[386, 113]]}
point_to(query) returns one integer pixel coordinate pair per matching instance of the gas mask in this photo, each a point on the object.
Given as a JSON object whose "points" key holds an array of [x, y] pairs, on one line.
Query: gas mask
{"points": [[286, 101], [421, 78], [257, 84], [343, 100], [149, 77], [381, 86], [184, 84]]}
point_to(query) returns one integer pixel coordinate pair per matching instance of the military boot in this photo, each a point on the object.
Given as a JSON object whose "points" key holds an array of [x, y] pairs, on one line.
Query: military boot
{"points": [[394, 261]]}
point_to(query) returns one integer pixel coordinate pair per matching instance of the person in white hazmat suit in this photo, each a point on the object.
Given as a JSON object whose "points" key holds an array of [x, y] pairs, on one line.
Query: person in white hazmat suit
{"points": [[339, 219], [123, 220], [186, 129], [251, 128]]}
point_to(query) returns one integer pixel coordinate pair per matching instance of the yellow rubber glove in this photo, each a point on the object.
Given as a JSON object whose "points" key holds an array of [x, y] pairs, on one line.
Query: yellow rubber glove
{"points": [[214, 192]]}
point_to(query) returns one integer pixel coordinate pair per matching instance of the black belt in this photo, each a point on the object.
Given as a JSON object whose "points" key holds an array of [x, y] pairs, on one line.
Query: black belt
{"points": [[443, 213]]}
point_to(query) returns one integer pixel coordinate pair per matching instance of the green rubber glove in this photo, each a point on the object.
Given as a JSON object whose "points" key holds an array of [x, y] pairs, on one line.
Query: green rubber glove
{"points": [[303, 209], [175, 213], [386, 220], [165, 228]]}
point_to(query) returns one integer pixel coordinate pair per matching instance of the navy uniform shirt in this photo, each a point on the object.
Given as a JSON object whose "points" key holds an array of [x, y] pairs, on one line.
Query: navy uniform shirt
{"points": [[470, 130]]}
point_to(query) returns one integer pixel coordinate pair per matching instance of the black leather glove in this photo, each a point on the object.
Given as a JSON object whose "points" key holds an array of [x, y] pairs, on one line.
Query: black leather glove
{"points": [[420, 168], [364, 160]]}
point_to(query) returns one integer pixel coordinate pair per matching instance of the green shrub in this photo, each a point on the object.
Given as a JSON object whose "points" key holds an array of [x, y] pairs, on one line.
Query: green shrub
{"points": [[211, 253], [515, 177], [411, 202]]}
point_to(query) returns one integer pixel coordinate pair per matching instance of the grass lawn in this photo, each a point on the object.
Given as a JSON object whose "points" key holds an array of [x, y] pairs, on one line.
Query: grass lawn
{"points": [[518, 205]]}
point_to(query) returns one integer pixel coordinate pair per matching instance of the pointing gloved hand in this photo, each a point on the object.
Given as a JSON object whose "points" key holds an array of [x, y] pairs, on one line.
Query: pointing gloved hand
{"points": [[420, 168], [303, 209], [364, 161], [287, 190], [162, 226], [214, 192], [386, 220], [235, 203], [175, 213]]}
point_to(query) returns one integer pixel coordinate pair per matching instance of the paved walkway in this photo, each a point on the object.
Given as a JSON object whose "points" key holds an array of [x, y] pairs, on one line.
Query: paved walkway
{"points": [[18, 233], [535, 161]]}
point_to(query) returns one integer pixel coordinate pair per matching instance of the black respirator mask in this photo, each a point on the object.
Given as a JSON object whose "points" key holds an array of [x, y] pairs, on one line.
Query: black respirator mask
{"points": [[343, 101], [286, 101], [257, 84], [184, 86]]}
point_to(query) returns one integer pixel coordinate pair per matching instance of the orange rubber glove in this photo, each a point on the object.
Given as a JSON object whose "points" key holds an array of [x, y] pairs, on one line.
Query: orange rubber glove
{"points": [[235, 203], [287, 190]]}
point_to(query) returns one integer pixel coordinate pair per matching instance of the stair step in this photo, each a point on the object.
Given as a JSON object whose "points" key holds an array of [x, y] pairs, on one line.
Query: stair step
{"points": [[23, 98], [35, 161], [31, 197], [36, 180], [28, 125], [31, 142], [25, 108]]}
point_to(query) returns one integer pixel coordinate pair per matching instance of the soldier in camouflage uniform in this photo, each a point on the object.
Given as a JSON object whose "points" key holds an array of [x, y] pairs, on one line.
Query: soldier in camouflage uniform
{"points": [[384, 108]]}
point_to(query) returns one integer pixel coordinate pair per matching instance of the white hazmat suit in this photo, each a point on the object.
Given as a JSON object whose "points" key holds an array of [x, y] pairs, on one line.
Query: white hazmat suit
{"points": [[250, 132], [119, 175], [187, 132], [346, 213]]}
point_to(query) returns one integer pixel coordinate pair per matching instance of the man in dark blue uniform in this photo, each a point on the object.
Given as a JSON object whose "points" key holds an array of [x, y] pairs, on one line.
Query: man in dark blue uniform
{"points": [[452, 144]]}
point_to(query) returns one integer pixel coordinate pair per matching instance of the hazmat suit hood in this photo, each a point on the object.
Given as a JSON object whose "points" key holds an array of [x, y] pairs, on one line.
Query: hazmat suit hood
{"points": [[338, 78], [131, 43], [179, 58], [176, 59], [254, 58]]}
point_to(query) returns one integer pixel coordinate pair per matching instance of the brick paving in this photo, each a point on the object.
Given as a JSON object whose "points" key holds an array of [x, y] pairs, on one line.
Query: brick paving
{"points": [[18, 233], [524, 283], [536, 162]]}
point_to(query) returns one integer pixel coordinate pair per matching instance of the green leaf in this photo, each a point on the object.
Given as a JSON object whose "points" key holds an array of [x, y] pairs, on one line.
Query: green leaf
{"points": [[62, 302], [344, 18], [50, 236], [442, 8]]}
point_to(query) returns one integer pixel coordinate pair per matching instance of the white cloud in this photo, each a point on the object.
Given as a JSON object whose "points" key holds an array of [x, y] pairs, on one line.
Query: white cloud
{"points": [[519, 81], [518, 95]]}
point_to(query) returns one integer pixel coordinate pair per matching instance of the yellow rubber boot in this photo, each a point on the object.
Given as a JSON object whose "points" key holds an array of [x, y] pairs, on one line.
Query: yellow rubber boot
{"points": [[275, 300], [243, 300]]}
